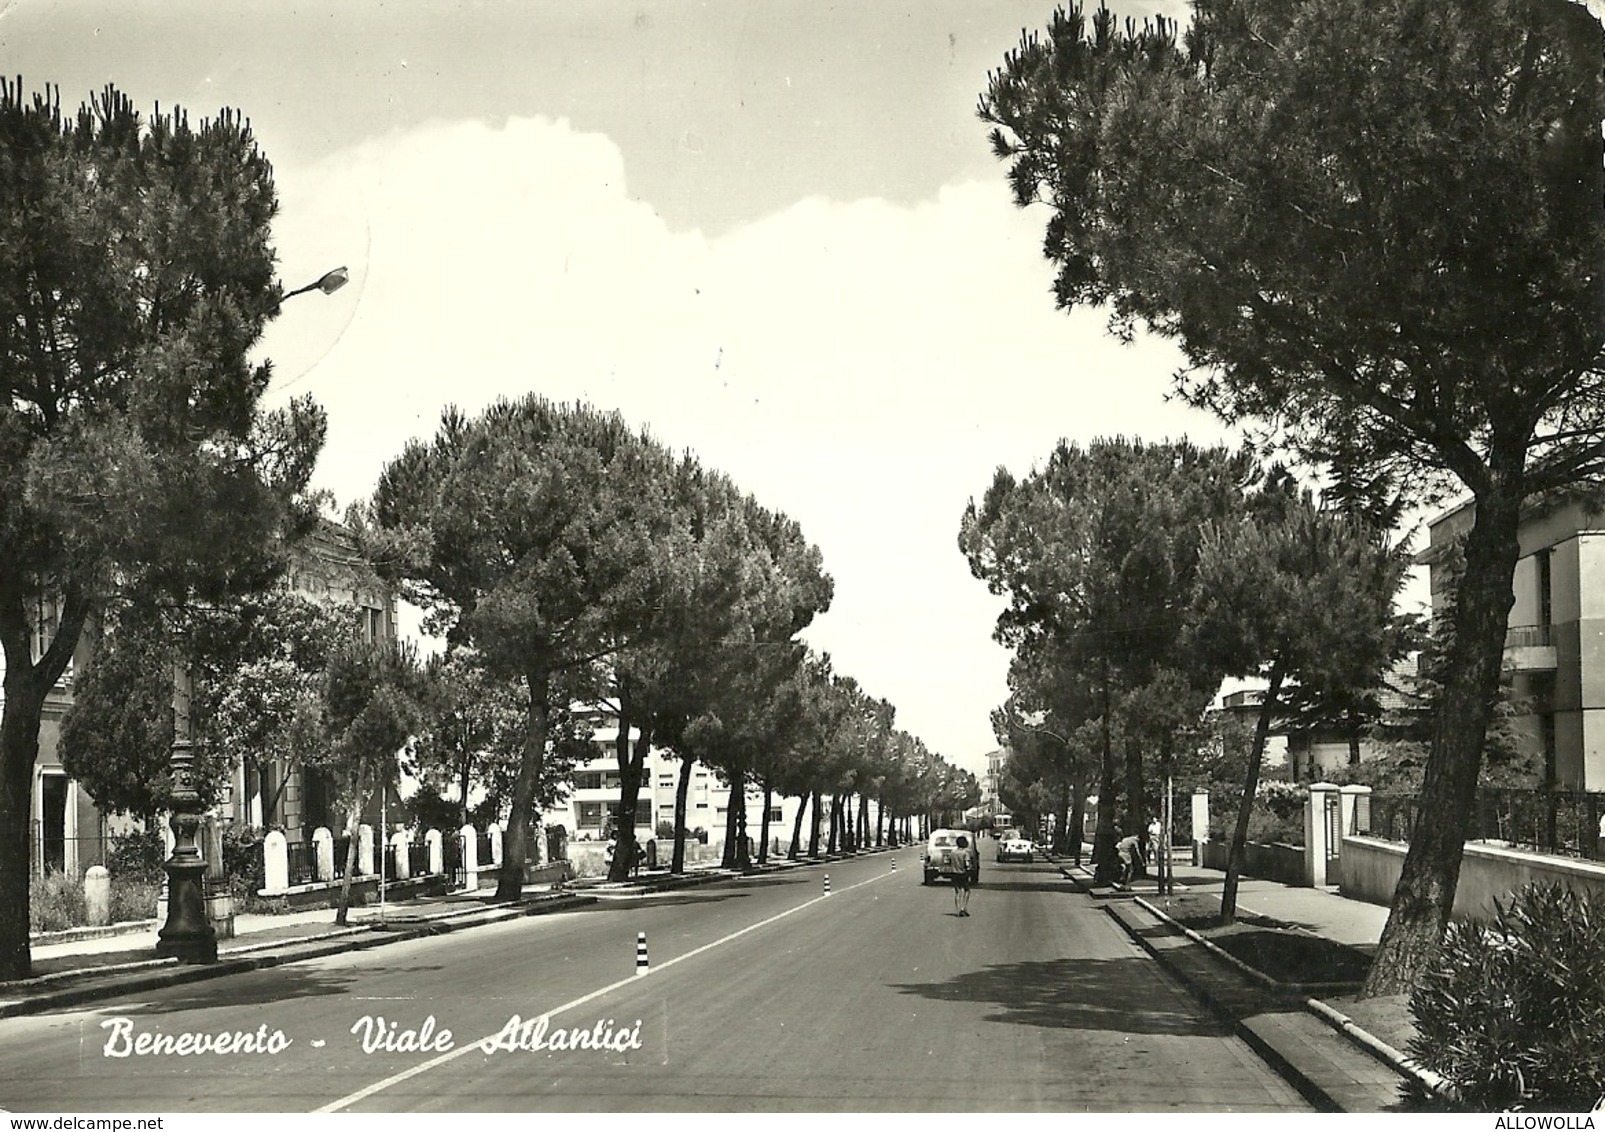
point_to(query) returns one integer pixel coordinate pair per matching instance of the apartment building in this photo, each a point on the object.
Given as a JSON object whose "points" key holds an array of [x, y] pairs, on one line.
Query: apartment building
{"points": [[594, 796], [1555, 636]]}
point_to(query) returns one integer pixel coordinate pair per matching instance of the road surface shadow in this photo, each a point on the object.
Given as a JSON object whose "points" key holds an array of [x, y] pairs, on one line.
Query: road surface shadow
{"points": [[1074, 993], [255, 988], [658, 900], [1046, 884]]}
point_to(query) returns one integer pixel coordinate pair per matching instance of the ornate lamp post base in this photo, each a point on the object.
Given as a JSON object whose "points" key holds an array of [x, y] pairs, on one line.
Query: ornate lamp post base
{"points": [[187, 935]]}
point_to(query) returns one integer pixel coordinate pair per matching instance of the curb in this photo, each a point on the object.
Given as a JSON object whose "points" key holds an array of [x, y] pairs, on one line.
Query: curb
{"points": [[78, 935], [1340, 1022], [156, 973], [1273, 1057]]}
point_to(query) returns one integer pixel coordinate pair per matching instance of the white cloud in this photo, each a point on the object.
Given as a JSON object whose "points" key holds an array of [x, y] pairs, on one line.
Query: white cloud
{"points": [[860, 366]]}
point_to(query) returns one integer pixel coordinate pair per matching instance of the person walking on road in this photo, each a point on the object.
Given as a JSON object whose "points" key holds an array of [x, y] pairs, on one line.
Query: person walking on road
{"points": [[964, 862]]}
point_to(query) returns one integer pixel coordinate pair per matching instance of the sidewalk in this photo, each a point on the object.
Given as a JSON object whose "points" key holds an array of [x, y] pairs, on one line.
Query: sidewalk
{"points": [[1325, 1050], [88, 965]]}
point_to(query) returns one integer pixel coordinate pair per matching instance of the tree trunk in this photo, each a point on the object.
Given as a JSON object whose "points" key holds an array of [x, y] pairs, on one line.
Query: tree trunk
{"points": [[835, 823], [510, 884], [1471, 672], [796, 828], [880, 821], [353, 819], [1105, 867], [735, 805], [743, 857], [1136, 819], [863, 821], [681, 791], [25, 688], [1159, 852], [19, 748], [1078, 817], [763, 830], [813, 832], [630, 763], [1061, 831], [1245, 808]]}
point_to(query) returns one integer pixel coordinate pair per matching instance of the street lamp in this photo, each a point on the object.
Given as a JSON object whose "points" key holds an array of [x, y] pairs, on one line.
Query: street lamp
{"points": [[329, 282], [187, 934]]}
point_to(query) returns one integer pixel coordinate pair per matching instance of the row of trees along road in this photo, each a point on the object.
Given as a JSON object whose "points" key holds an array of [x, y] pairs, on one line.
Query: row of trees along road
{"points": [[1141, 575], [584, 562], [146, 494], [1376, 227]]}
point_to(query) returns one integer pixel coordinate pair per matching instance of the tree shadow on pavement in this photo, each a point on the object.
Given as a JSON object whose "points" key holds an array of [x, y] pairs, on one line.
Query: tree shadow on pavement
{"points": [[658, 900], [252, 988], [1045, 885], [1075, 993]]}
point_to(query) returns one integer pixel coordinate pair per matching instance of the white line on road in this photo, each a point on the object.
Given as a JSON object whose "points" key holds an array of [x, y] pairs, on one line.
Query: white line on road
{"points": [[633, 980]]}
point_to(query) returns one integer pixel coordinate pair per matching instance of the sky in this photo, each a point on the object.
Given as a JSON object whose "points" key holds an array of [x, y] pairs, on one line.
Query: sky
{"points": [[772, 234]]}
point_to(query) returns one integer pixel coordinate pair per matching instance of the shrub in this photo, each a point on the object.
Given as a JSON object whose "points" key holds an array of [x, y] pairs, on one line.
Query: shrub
{"points": [[133, 896], [665, 830], [242, 863], [55, 903], [1512, 1014], [138, 854]]}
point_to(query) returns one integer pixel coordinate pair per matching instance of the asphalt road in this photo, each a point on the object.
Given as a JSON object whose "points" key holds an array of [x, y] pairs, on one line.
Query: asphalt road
{"points": [[762, 994]]}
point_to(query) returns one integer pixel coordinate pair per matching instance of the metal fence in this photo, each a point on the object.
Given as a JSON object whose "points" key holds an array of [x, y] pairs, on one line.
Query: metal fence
{"points": [[302, 857], [452, 850], [52, 853], [1560, 822], [342, 847]]}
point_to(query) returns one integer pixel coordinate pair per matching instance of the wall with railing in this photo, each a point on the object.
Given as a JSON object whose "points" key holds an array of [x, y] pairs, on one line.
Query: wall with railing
{"points": [[1370, 869], [1564, 823]]}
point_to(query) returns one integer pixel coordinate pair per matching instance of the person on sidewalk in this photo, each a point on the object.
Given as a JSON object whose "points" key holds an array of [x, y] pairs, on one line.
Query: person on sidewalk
{"points": [[962, 860], [1130, 850]]}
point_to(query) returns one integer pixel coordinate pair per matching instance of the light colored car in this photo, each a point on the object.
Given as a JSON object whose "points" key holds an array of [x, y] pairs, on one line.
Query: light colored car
{"points": [[1016, 849], [942, 855]]}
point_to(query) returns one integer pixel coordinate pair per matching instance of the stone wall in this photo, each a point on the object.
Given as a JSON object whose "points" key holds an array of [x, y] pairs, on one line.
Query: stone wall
{"points": [[1369, 870], [1281, 863]]}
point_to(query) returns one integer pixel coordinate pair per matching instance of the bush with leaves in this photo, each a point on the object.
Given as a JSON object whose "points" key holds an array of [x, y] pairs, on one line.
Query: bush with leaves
{"points": [[134, 896], [1512, 1014], [55, 902], [242, 862], [136, 854]]}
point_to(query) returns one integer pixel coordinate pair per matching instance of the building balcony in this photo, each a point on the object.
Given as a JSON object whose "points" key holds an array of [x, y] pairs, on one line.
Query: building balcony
{"points": [[1529, 648]]}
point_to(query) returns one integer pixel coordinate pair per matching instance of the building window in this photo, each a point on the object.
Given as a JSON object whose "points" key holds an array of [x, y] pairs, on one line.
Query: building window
{"points": [[774, 813], [46, 620], [589, 815], [370, 624], [588, 780], [1546, 593]]}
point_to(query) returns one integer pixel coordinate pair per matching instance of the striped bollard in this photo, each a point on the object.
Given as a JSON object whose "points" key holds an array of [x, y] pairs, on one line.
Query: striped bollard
{"points": [[827, 884], [640, 953], [894, 864]]}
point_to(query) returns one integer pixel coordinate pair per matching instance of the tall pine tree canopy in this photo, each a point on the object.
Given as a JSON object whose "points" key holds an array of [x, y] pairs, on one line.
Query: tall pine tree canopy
{"points": [[136, 274], [1375, 226]]}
